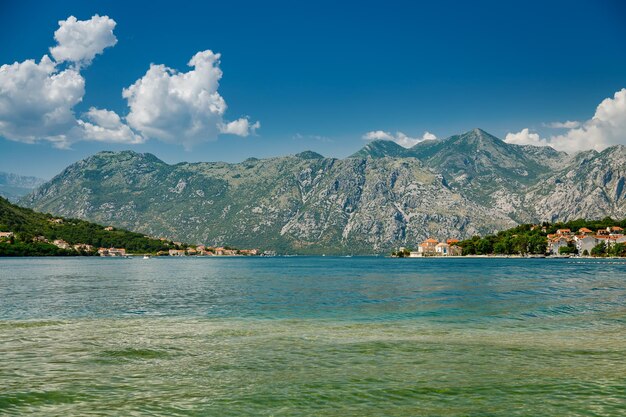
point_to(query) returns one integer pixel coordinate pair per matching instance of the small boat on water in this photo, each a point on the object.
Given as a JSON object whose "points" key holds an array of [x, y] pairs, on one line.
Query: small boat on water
{"points": [[146, 257]]}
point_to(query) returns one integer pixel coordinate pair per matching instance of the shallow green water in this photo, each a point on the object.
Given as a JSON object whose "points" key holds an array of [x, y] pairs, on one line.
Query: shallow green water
{"points": [[312, 336]]}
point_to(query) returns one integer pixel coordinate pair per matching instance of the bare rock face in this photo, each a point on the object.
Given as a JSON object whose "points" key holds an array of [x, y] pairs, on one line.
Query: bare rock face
{"points": [[591, 186], [383, 197]]}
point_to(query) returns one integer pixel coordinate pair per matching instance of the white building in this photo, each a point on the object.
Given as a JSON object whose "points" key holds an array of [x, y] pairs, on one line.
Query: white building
{"points": [[555, 244], [6, 235], [585, 243], [112, 252], [60, 243], [442, 249]]}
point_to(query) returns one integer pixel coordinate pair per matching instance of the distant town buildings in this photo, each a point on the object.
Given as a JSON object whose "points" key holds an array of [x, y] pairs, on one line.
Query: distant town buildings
{"points": [[178, 248], [83, 247], [585, 239], [202, 250], [112, 252], [432, 247], [61, 244], [6, 235]]}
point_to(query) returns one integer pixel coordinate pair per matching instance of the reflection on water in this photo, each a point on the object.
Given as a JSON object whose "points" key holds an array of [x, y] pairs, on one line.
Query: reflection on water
{"points": [[312, 336]]}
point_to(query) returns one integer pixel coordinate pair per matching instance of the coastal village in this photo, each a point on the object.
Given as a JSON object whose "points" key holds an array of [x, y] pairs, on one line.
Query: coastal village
{"points": [[584, 239], [179, 248], [564, 242]]}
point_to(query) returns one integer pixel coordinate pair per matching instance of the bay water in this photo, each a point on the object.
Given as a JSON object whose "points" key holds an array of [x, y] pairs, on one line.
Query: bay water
{"points": [[312, 336]]}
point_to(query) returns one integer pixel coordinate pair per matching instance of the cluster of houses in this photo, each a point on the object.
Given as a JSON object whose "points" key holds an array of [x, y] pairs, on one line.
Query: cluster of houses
{"points": [[60, 243], [191, 251], [432, 247], [585, 239], [202, 250]]}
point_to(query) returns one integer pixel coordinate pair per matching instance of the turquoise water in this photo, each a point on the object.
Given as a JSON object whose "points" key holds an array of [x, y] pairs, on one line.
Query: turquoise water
{"points": [[312, 336]]}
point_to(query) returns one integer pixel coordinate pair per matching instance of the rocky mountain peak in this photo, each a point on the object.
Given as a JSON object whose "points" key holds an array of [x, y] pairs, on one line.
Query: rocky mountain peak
{"points": [[616, 151], [309, 155], [380, 149]]}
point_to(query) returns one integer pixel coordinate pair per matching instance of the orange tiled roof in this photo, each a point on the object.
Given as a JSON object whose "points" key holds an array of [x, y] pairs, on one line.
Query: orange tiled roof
{"points": [[606, 237]]}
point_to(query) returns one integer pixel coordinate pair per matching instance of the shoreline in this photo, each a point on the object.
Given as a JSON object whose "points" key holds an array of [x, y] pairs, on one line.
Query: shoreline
{"points": [[380, 256]]}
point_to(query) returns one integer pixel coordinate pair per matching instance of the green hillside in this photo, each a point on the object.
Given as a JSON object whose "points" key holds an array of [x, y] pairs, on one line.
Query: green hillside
{"points": [[27, 225]]}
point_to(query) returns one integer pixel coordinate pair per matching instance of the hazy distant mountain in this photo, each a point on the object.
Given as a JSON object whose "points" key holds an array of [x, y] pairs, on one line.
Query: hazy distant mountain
{"points": [[14, 186], [382, 197]]}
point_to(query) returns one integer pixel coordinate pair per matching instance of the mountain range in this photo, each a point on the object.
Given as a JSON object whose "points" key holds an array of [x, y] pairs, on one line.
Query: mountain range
{"points": [[382, 197], [13, 186]]}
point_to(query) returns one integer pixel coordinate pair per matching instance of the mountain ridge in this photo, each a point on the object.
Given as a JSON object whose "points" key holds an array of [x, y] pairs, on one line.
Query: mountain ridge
{"points": [[473, 183]]}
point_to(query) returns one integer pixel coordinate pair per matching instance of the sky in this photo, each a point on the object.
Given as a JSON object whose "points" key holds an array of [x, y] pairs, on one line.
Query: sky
{"points": [[225, 81]]}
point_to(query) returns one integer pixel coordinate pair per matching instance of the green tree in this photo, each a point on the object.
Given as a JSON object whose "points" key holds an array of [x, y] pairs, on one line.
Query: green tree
{"points": [[469, 248], [618, 249], [503, 247], [599, 249], [520, 244], [484, 247], [537, 244]]}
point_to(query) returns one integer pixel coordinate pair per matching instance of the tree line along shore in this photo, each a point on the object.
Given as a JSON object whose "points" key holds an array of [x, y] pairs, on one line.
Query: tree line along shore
{"points": [[24, 232]]}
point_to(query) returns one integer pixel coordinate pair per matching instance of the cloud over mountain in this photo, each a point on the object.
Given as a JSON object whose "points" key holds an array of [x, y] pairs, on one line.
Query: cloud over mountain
{"points": [[399, 138], [182, 107], [607, 127], [107, 126]]}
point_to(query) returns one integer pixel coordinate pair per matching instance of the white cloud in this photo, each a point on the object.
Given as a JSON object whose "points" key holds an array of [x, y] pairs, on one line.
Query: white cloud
{"points": [[607, 127], [183, 107], [525, 137], [240, 127], [378, 135], [106, 126], [400, 138], [36, 100], [563, 125], [79, 41]]}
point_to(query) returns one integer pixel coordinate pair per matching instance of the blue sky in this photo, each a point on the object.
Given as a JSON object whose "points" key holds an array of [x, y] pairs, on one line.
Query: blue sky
{"points": [[320, 75]]}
